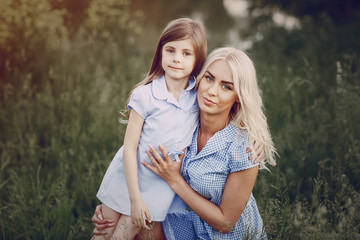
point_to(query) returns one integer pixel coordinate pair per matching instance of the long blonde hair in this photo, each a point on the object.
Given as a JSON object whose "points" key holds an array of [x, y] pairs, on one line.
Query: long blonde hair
{"points": [[178, 29], [248, 113]]}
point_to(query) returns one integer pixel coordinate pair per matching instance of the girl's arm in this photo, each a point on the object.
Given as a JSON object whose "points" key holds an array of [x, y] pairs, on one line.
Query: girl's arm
{"points": [[131, 141], [236, 193]]}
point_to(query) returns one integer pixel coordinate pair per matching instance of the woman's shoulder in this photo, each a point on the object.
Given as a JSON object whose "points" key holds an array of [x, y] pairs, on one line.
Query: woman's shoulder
{"points": [[236, 135], [237, 151]]}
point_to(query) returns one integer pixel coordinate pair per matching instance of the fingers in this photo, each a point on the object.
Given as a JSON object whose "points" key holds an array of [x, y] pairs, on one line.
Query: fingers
{"points": [[154, 162], [164, 152], [259, 152], [99, 222], [104, 225], [98, 212], [141, 222], [181, 156], [156, 154], [97, 232], [260, 155], [148, 217]]}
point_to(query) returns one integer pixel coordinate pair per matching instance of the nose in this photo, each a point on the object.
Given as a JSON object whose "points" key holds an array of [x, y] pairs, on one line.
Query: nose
{"points": [[212, 90], [177, 58]]}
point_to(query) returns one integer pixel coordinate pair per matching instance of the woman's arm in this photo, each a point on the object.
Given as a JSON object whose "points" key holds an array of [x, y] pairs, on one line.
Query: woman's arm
{"points": [[236, 193], [131, 142]]}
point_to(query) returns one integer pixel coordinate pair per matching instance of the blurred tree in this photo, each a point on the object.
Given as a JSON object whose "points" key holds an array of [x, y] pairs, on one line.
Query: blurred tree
{"points": [[338, 11], [211, 12], [76, 13], [109, 19], [32, 31], [28, 31]]}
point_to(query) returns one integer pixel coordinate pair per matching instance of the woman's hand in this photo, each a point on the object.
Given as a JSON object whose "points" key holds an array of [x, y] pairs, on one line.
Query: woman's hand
{"points": [[166, 168], [259, 154], [138, 213], [99, 222]]}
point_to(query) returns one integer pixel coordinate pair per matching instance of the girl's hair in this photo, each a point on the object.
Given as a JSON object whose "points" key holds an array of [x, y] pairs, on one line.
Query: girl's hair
{"points": [[179, 29], [248, 112]]}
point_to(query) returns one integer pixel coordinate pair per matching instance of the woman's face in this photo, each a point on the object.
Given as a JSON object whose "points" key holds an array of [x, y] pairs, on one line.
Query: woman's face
{"points": [[216, 93]]}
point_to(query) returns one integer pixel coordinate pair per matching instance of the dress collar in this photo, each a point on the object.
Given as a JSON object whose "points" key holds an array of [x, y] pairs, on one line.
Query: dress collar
{"points": [[217, 142], [160, 90]]}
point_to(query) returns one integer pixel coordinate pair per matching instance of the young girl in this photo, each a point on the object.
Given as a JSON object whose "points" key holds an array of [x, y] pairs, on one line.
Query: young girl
{"points": [[162, 110]]}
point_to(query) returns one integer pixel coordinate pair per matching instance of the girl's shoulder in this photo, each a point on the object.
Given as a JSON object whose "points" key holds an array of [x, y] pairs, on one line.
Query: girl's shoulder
{"points": [[143, 89], [151, 87], [143, 93]]}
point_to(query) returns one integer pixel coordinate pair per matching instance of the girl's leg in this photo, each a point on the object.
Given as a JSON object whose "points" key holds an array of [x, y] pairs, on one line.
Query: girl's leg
{"points": [[109, 214], [156, 233], [125, 229]]}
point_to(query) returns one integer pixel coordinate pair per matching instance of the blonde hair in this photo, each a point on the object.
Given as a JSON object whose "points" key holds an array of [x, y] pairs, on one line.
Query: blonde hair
{"points": [[248, 112], [178, 29]]}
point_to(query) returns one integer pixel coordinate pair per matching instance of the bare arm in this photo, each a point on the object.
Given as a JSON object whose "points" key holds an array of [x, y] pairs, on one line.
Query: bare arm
{"points": [[131, 141], [236, 193]]}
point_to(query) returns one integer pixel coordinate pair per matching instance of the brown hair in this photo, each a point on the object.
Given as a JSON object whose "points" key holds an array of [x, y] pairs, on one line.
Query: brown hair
{"points": [[178, 29]]}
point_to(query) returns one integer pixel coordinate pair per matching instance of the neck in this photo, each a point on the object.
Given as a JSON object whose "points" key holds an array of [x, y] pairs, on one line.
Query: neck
{"points": [[176, 86], [210, 124]]}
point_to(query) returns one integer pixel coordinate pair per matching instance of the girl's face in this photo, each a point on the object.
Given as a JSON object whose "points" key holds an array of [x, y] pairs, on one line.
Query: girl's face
{"points": [[178, 59], [216, 93]]}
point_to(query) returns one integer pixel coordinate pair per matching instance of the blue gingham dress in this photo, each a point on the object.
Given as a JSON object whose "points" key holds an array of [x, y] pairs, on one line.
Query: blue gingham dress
{"points": [[206, 172]]}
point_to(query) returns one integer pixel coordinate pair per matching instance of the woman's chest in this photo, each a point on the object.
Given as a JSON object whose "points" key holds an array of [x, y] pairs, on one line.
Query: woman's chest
{"points": [[208, 175]]}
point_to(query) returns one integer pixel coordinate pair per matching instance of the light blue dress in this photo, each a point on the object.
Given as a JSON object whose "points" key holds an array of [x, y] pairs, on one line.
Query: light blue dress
{"points": [[207, 172], [168, 122]]}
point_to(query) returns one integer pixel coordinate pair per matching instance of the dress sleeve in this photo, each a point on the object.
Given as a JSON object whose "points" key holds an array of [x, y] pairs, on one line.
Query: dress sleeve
{"points": [[139, 101], [239, 159]]}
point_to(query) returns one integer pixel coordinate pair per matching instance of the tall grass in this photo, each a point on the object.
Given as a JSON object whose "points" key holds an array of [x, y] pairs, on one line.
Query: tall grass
{"points": [[57, 142], [310, 82]]}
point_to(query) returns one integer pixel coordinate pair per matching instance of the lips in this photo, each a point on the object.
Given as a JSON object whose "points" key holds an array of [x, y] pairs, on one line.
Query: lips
{"points": [[208, 102], [175, 68]]}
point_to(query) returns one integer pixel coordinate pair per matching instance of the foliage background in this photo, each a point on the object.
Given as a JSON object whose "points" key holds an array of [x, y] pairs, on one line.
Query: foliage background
{"points": [[66, 68]]}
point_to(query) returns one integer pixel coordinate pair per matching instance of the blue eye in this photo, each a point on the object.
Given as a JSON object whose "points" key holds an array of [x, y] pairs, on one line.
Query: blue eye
{"points": [[226, 87], [208, 78]]}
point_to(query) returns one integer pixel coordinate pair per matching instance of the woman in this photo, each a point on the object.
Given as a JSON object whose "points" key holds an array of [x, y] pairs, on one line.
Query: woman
{"points": [[216, 178]]}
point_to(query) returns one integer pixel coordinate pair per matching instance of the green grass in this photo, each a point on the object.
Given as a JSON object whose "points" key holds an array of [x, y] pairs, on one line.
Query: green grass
{"points": [[59, 131]]}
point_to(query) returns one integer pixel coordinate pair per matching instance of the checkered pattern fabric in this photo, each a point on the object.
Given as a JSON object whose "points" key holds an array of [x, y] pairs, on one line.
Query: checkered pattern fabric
{"points": [[206, 172]]}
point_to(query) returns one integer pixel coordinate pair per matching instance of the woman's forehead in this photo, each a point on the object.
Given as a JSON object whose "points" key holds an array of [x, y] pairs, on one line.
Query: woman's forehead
{"points": [[220, 69]]}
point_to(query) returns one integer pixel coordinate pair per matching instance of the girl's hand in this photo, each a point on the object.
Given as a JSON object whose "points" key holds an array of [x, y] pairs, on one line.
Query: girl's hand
{"points": [[99, 222], [166, 168], [138, 213], [260, 149]]}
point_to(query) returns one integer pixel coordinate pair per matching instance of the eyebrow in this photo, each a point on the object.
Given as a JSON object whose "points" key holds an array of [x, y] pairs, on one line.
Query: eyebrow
{"points": [[185, 49], [210, 74], [232, 83]]}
